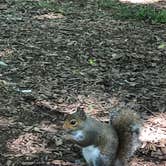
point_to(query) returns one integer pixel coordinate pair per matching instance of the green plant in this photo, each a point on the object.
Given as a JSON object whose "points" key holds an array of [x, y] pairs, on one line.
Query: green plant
{"points": [[137, 12], [48, 5], [151, 14], [106, 4]]}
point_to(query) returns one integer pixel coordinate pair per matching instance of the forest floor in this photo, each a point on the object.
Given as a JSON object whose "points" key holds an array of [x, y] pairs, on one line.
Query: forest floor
{"points": [[53, 60]]}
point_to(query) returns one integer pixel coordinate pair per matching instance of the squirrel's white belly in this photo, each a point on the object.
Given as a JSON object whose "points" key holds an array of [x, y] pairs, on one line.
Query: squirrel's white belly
{"points": [[91, 153]]}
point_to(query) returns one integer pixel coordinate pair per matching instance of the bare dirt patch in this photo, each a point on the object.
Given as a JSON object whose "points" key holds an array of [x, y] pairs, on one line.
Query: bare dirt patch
{"points": [[55, 63]]}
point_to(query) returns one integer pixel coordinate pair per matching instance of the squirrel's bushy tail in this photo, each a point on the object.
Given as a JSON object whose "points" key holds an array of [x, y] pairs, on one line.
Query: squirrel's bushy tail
{"points": [[127, 124]]}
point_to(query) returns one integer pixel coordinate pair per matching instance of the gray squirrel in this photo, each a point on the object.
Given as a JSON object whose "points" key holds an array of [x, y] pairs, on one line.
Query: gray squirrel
{"points": [[104, 144]]}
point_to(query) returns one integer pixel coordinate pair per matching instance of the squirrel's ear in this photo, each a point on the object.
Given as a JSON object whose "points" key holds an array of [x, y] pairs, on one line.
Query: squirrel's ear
{"points": [[81, 113]]}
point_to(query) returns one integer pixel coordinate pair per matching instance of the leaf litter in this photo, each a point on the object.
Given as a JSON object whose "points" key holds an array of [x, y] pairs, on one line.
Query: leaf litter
{"points": [[79, 58]]}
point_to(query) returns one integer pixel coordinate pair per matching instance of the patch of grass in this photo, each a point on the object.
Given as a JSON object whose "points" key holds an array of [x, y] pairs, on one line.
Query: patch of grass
{"points": [[137, 12], [48, 5], [62, 7], [106, 4], [145, 13], [22, 5]]}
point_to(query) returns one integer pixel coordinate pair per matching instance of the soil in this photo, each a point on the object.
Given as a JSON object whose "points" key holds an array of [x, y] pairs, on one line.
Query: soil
{"points": [[52, 62]]}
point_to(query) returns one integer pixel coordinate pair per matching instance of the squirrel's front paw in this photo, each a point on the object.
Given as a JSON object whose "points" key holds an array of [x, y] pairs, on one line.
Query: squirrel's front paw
{"points": [[78, 135]]}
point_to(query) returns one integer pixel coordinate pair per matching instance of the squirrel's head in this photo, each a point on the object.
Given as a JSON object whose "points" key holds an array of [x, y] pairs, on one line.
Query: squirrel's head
{"points": [[74, 121]]}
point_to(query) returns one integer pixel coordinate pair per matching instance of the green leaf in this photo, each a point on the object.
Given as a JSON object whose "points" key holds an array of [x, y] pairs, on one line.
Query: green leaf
{"points": [[92, 61], [161, 46]]}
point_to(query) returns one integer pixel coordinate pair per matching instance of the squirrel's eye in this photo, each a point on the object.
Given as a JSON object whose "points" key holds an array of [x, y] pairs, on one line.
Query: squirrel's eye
{"points": [[73, 122]]}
